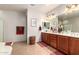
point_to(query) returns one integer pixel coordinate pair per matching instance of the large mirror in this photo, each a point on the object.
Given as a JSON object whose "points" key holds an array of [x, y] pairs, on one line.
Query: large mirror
{"points": [[69, 22]]}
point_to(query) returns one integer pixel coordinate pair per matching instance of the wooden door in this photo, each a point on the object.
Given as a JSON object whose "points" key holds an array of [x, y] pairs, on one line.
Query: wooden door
{"points": [[63, 44], [74, 46], [44, 37], [48, 39], [53, 40]]}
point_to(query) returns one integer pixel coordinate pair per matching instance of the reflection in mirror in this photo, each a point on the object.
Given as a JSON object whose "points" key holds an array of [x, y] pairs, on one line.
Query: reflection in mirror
{"points": [[46, 25], [51, 25]]}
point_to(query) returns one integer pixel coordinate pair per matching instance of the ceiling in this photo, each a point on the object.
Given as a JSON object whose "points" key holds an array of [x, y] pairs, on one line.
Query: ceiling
{"points": [[44, 8], [22, 7]]}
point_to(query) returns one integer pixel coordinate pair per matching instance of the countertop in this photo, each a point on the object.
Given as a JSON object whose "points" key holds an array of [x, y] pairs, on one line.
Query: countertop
{"points": [[71, 34]]}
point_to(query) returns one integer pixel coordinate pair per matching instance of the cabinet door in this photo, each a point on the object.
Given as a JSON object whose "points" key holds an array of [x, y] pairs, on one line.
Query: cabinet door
{"points": [[74, 46], [53, 40], [63, 44], [48, 39], [44, 37]]}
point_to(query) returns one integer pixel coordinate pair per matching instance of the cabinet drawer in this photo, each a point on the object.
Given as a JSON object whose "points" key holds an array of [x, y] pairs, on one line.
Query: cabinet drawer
{"points": [[53, 40], [54, 36]]}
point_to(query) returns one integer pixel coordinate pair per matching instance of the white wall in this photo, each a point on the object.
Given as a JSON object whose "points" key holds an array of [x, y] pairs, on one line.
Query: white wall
{"points": [[58, 10], [1, 30], [11, 19], [33, 31]]}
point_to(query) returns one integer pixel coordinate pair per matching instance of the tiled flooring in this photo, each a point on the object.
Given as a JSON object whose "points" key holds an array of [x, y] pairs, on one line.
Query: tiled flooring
{"points": [[53, 50], [21, 48]]}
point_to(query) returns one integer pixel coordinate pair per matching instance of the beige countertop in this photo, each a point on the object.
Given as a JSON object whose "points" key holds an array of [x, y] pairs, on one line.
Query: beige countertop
{"points": [[71, 34]]}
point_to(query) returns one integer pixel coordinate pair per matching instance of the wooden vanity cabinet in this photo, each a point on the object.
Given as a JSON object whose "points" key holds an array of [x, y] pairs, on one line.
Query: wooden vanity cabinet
{"points": [[62, 44], [74, 46], [68, 45]]}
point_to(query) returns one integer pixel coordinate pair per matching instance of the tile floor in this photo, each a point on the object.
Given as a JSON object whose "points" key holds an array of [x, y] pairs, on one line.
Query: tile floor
{"points": [[20, 48], [53, 50]]}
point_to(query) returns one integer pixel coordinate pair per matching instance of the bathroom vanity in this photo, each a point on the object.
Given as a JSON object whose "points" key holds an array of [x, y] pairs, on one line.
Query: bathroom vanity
{"points": [[66, 43], [54, 35]]}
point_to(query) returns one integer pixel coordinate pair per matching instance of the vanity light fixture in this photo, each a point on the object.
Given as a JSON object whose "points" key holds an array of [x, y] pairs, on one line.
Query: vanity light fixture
{"points": [[71, 7], [32, 5], [47, 4], [51, 16]]}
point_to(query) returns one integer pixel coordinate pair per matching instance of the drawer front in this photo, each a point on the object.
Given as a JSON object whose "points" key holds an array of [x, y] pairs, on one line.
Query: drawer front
{"points": [[53, 40]]}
